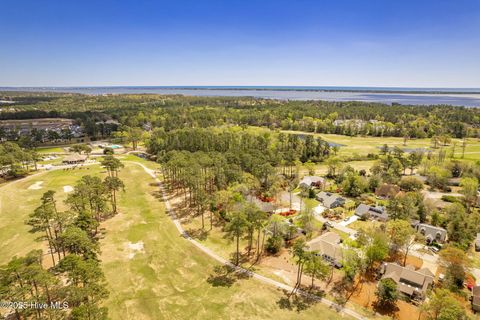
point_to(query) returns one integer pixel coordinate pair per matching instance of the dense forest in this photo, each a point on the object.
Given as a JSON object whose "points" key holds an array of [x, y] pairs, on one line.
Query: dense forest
{"points": [[176, 111]]}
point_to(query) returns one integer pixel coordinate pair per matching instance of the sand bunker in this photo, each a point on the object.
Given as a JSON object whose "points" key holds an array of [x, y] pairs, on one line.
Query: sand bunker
{"points": [[67, 189], [281, 274], [133, 248], [37, 185]]}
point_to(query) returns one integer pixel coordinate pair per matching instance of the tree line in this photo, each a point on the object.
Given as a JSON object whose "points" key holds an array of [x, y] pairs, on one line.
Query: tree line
{"points": [[176, 111]]}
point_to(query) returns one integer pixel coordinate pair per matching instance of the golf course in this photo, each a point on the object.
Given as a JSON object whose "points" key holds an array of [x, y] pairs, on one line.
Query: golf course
{"points": [[151, 271]]}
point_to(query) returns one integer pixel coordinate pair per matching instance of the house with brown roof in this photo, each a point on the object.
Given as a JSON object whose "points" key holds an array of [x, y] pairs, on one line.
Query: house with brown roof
{"points": [[311, 181], [387, 191], [410, 282], [328, 245], [74, 158], [476, 298]]}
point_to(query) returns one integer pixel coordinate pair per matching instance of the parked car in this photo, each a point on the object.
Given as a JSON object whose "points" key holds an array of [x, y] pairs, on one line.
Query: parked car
{"points": [[434, 249], [326, 225]]}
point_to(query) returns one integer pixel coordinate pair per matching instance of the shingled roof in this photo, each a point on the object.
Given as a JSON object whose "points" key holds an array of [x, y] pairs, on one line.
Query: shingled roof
{"points": [[366, 211], [75, 158], [309, 181], [328, 244], [409, 281]]}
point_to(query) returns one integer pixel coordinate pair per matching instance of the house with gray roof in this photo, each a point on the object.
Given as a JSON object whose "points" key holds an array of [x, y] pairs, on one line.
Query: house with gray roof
{"points": [[328, 246], [410, 282], [330, 200], [311, 181], [431, 233], [371, 212]]}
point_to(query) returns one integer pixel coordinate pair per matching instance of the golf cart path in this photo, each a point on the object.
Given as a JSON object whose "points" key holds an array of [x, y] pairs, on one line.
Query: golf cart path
{"points": [[212, 254]]}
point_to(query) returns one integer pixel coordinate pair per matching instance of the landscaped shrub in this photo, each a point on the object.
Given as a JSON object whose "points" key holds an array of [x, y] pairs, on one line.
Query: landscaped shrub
{"points": [[274, 244], [411, 184], [449, 198]]}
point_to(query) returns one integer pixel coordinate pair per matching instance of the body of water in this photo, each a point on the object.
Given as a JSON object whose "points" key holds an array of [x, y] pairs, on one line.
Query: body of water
{"points": [[469, 97]]}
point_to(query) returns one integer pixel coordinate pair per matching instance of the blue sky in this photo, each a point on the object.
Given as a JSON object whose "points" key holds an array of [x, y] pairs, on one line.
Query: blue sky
{"points": [[421, 43]]}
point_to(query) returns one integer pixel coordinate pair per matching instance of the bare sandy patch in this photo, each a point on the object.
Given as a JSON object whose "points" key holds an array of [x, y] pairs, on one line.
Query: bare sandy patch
{"points": [[67, 189], [282, 274], [134, 248], [36, 186]]}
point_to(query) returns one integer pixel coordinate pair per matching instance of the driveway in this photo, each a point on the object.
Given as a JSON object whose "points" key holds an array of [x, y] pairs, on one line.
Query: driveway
{"points": [[476, 274], [318, 215], [350, 220]]}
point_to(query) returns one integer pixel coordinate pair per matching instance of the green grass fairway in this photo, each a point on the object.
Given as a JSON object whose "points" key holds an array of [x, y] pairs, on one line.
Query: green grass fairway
{"points": [[167, 278], [17, 201], [365, 145], [50, 150]]}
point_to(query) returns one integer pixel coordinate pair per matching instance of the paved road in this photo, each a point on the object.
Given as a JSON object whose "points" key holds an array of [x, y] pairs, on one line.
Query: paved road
{"points": [[350, 220], [418, 250], [212, 254]]}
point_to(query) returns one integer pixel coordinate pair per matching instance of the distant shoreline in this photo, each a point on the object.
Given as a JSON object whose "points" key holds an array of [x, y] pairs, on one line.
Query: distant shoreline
{"points": [[466, 97], [391, 90]]}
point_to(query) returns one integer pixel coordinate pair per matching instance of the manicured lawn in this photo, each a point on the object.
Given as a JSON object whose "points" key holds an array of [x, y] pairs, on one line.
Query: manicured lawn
{"points": [[132, 157], [167, 278], [366, 145], [50, 150], [365, 225]]}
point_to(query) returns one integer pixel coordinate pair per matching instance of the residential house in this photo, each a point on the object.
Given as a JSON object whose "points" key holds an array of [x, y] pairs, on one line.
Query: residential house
{"points": [[430, 232], [330, 200], [477, 242], [354, 123], [311, 181], [374, 213], [387, 191], [476, 298], [411, 282], [328, 245]]}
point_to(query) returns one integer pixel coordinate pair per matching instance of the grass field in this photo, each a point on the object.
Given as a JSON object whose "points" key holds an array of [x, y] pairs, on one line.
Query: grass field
{"points": [[152, 272], [366, 145], [17, 201], [44, 150]]}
